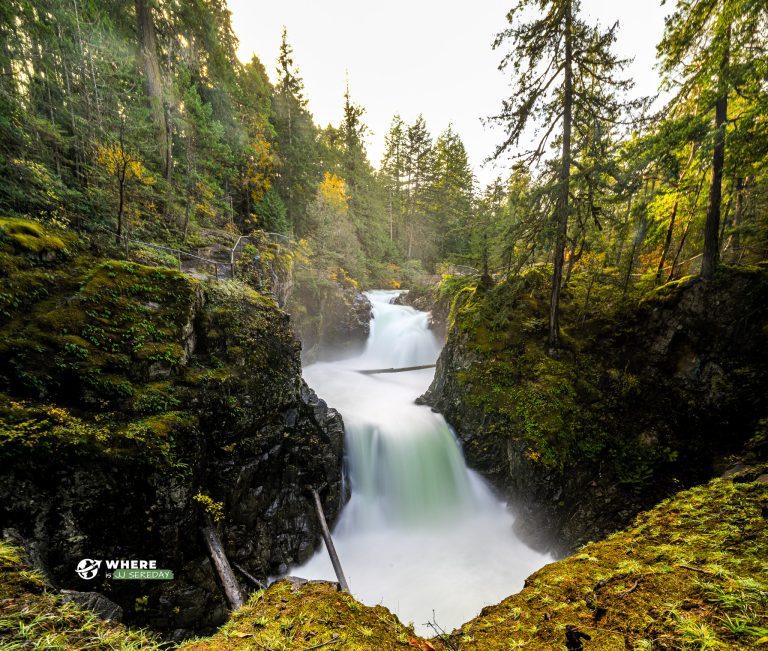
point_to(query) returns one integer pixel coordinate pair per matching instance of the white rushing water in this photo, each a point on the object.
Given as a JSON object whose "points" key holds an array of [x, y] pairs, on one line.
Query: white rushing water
{"points": [[421, 532]]}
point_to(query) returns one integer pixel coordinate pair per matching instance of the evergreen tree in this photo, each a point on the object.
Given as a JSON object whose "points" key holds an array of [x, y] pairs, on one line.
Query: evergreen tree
{"points": [[419, 168], [564, 74], [452, 196], [298, 171], [709, 49], [393, 176]]}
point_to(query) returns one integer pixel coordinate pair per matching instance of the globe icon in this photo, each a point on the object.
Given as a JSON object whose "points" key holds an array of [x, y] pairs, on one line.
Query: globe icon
{"points": [[87, 568]]}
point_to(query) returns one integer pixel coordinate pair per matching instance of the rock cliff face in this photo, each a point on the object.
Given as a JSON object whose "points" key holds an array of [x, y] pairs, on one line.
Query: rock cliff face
{"points": [[132, 397], [429, 299], [330, 315], [637, 404]]}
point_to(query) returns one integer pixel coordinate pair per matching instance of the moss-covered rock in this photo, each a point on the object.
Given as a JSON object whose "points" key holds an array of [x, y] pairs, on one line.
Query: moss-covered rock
{"points": [[645, 396], [689, 574], [330, 315], [300, 615], [32, 616], [126, 391]]}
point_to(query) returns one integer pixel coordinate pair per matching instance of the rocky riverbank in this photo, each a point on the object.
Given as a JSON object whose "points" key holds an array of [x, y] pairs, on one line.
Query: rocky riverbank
{"points": [[643, 398]]}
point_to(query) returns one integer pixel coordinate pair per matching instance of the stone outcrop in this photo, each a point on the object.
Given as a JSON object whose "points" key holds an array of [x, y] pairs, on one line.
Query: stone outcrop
{"points": [[133, 400], [637, 403], [330, 316]]}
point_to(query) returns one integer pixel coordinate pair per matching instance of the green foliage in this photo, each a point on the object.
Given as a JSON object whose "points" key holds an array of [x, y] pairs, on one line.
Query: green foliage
{"points": [[31, 616], [213, 508]]}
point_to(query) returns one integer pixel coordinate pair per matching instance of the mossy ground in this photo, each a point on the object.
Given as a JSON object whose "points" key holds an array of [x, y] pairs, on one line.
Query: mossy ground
{"points": [[690, 574], [287, 618], [31, 617]]}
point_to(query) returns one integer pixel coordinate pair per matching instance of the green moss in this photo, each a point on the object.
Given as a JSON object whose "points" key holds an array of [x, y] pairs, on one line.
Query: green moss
{"points": [[31, 617], [689, 574], [589, 402], [289, 617], [30, 237], [669, 293]]}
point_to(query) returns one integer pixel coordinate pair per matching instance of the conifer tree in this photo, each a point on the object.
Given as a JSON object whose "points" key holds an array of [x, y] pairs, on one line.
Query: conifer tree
{"points": [[710, 49], [564, 76]]}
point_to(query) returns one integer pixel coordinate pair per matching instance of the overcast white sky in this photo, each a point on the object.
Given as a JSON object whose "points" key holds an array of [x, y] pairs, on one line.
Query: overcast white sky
{"points": [[419, 56]]}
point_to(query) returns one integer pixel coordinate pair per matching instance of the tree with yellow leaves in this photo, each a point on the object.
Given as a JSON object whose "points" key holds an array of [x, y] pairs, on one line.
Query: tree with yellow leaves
{"points": [[124, 166]]}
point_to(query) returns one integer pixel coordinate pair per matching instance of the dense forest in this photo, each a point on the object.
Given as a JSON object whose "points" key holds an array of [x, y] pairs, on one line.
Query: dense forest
{"points": [[138, 118]]}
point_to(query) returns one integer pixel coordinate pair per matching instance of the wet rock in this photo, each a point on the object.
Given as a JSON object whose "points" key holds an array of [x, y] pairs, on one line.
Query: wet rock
{"points": [[216, 406], [680, 380]]}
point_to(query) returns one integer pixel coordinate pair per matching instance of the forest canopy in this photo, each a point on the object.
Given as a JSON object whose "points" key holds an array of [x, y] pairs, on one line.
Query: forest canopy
{"points": [[139, 119]]}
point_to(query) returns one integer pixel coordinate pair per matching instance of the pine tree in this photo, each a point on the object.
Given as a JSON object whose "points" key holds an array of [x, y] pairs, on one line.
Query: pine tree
{"points": [[709, 50], [564, 74], [419, 168], [299, 170], [393, 175], [452, 196]]}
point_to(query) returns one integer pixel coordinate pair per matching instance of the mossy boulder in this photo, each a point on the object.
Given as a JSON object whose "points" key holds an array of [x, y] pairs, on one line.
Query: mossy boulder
{"points": [[128, 390], [301, 615]]}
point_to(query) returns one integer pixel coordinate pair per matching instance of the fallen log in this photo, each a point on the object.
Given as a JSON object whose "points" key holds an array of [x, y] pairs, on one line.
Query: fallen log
{"points": [[221, 566], [258, 584], [405, 369], [329, 542]]}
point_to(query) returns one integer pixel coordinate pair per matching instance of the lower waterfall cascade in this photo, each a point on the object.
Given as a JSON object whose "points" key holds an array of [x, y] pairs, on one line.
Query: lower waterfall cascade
{"points": [[421, 534]]}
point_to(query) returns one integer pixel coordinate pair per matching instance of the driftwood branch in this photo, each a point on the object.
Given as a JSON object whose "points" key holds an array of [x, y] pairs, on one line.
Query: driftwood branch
{"points": [[221, 566], [249, 576], [376, 371], [696, 569], [329, 542], [631, 589]]}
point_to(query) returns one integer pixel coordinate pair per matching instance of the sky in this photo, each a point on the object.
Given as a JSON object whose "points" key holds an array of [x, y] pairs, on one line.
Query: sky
{"points": [[432, 57]]}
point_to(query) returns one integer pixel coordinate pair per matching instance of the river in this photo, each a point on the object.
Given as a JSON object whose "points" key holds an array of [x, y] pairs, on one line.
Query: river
{"points": [[421, 533]]}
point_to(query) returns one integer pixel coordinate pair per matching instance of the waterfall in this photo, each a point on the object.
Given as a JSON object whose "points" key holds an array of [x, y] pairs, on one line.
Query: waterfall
{"points": [[421, 532]]}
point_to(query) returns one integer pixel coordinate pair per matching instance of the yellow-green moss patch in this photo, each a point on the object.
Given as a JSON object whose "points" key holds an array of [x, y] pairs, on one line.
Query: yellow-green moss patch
{"points": [[287, 617], [690, 574], [31, 617]]}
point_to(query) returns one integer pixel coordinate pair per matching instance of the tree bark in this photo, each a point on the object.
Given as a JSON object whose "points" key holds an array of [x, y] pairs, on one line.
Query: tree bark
{"points": [[145, 27], [565, 178], [667, 241], [711, 256], [221, 566], [329, 542]]}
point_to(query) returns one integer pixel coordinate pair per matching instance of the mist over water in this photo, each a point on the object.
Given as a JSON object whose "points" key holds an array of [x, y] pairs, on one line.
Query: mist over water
{"points": [[421, 532]]}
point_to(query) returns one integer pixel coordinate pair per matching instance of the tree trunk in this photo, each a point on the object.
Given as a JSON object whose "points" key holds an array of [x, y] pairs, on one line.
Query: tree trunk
{"points": [[667, 241], [145, 27], [738, 213], [329, 542], [121, 201], [565, 178], [712, 226], [221, 566]]}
